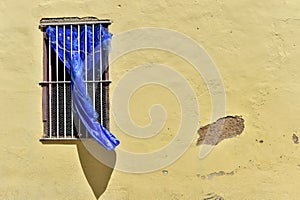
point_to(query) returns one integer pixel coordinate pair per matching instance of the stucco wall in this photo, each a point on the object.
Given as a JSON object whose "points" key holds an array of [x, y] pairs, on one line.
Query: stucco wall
{"points": [[255, 46]]}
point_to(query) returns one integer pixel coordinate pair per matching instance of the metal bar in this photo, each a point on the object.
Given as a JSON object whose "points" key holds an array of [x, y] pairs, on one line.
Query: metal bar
{"points": [[57, 88], [65, 103], [45, 90], [106, 95], [64, 139], [86, 67], [85, 46], [42, 24], [78, 32], [106, 91], [50, 89], [52, 82], [42, 83], [101, 68], [72, 116], [93, 53], [100, 81]]}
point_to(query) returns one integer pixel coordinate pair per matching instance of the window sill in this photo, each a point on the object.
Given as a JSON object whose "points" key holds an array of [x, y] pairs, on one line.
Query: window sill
{"points": [[62, 140]]}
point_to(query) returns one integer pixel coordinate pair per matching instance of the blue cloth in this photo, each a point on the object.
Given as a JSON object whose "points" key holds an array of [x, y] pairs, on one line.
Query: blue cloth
{"points": [[78, 57]]}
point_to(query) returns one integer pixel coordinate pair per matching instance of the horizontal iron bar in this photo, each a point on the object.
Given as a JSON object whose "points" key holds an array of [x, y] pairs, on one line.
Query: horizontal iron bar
{"points": [[64, 138], [57, 82], [59, 138], [43, 24]]}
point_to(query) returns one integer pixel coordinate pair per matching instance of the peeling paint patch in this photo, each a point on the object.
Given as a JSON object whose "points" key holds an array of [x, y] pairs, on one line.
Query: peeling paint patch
{"points": [[295, 139], [214, 174], [225, 127], [213, 196], [220, 173]]}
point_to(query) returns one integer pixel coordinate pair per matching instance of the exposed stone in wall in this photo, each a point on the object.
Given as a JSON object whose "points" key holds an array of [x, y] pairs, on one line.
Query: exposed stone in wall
{"points": [[225, 127]]}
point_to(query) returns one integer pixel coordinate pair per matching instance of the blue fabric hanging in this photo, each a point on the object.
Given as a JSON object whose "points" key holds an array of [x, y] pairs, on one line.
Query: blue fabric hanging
{"points": [[80, 53]]}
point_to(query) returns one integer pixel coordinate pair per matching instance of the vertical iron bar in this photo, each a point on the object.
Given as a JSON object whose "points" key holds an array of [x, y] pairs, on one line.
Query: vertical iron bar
{"points": [[78, 32], [50, 89], [57, 88], [85, 43], [101, 84], [45, 103], [93, 53], [71, 66], [93, 66], [65, 103], [86, 69], [106, 90]]}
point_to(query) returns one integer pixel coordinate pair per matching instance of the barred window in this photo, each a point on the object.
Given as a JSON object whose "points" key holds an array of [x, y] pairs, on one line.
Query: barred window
{"points": [[60, 121]]}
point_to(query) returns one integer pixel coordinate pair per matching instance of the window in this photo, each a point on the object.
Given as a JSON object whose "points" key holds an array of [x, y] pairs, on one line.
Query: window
{"points": [[63, 40]]}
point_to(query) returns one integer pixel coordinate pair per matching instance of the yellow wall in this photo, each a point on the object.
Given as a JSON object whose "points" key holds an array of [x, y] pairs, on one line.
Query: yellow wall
{"points": [[255, 45]]}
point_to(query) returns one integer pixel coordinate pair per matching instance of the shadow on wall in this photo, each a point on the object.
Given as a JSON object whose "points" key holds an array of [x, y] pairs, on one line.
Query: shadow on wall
{"points": [[96, 173]]}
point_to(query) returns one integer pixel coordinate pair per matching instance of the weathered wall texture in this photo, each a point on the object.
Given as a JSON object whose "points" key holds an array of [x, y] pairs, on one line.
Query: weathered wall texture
{"points": [[256, 46]]}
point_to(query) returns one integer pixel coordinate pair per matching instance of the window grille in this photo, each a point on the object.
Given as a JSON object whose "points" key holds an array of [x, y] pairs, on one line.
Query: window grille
{"points": [[58, 118]]}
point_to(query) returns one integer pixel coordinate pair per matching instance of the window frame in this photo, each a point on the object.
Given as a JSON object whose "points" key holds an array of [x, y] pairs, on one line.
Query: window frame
{"points": [[46, 83]]}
